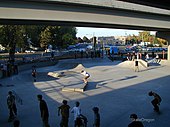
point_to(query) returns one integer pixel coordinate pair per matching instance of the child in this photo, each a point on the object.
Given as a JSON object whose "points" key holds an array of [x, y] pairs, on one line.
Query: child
{"points": [[77, 112]]}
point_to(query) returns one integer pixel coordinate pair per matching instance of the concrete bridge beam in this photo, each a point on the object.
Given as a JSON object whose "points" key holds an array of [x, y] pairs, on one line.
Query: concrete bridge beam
{"points": [[165, 35]]}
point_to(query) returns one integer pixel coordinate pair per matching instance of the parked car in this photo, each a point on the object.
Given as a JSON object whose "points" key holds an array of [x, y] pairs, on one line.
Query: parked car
{"points": [[29, 51]]}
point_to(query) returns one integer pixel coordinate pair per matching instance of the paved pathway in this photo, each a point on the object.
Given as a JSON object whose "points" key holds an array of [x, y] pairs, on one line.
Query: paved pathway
{"points": [[118, 92]]}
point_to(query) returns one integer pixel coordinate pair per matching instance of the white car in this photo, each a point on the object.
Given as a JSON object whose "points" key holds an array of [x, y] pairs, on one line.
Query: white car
{"points": [[29, 51]]}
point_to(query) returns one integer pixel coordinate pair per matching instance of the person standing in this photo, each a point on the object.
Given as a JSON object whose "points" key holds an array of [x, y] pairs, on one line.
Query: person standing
{"points": [[64, 110], [135, 122], [147, 57], [157, 58], [137, 55], [136, 65], [11, 106], [44, 111], [96, 117], [86, 76], [77, 112], [34, 72], [156, 101]]}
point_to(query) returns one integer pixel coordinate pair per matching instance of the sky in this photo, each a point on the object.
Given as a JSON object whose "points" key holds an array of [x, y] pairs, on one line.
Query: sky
{"points": [[89, 32]]}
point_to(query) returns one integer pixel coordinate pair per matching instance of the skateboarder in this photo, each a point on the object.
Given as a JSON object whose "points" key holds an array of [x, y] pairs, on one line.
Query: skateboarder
{"points": [[34, 72], [44, 111], [86, 76], [11, 106], [96, 117], [64, 109], [156, 101], [135, 122]]}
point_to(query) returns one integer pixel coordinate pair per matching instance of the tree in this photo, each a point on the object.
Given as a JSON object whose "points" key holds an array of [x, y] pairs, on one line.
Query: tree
{"points": [[79, 40], [68, 39], [85, 39], [162, 41], [45, 37], [144, 36], [58, 36], [11, 35], [33, 32]]}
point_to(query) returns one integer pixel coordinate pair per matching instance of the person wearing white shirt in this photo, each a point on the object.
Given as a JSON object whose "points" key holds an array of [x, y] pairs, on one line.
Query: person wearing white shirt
{"points": [[77, 112], [86, 76]]}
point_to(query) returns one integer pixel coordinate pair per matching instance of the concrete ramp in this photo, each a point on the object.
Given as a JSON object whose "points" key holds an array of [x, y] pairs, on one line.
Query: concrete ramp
{"points": [[80, 87], [65, 70], [66, 65], [130, 64], [78, 68]]}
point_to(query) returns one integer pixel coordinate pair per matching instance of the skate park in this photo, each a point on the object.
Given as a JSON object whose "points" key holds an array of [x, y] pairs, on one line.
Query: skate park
{"points": [[116, 89]]}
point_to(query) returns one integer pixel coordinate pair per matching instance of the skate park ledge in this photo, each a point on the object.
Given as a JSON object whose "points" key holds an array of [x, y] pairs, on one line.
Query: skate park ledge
{"points": [[79, 88]]}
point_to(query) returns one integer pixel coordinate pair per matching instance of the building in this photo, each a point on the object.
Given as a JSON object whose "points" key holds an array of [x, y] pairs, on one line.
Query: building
{"points": [[120, 40], [107, 40], [112, 40]]}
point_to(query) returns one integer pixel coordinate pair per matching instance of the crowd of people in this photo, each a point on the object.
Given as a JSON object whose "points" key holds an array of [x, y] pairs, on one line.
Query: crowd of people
{"points": [[8, 69], [64, 111]]}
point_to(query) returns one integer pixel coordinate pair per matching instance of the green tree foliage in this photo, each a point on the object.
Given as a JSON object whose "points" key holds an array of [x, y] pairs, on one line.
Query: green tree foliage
{"points": [[79, 40], [45, 37], [10, 36], [85, 39], [58, 36], [68, 39], [33, 32], [162, 41], [144, 36]]}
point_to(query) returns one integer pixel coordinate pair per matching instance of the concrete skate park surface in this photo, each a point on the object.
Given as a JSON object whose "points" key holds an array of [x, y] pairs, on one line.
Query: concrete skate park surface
{"points": [[116, 90]]}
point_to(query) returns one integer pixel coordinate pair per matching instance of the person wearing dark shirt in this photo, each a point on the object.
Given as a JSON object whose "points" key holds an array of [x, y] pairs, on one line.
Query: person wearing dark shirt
{"points": [[136, 66], [135, 122], [11, 106], [156, 101], [34, 72], [44, 111], [64, 110]]}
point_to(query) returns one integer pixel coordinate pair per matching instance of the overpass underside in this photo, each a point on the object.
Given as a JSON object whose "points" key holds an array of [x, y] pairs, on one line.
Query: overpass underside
{"points": [[22, 12]]}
